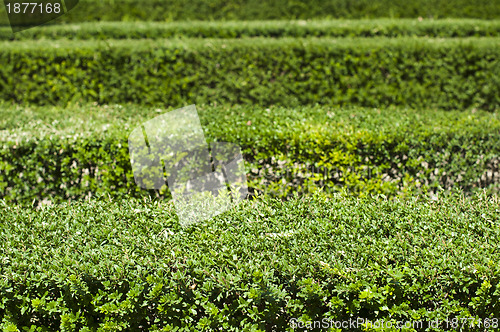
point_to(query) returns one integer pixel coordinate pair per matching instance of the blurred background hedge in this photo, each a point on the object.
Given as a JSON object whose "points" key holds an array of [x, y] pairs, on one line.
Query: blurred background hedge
{"points": [[169, 10]]}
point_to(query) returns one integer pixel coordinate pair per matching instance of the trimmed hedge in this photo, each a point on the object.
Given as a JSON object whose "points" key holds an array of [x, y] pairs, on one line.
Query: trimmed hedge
{"points": [[169, 10], [372, 72], [334, 28], [59, 155], [107, 265]]}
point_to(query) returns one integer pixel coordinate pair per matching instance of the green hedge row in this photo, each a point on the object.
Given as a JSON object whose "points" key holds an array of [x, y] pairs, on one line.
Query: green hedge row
{"points": [[67, 154], [372, 72], [334, 28], [107, 265], [169, 10]]}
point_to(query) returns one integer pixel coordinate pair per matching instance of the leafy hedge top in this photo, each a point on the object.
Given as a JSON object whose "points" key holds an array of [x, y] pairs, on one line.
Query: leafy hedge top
{"points": [[243, 124], [117, 240], [110, 265], [201, 29], [128, 46]]}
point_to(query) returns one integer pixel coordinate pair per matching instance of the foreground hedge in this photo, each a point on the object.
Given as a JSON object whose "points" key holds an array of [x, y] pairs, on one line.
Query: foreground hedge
{"points": [[127, 265], [168, 10], [372, 72], [330, 28], [64, 154]]}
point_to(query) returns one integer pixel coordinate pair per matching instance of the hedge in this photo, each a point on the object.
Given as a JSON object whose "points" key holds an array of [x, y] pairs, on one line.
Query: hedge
{"points": [[170, 10], [331, 28], [111, 265], [53, 154], [371, 72]]}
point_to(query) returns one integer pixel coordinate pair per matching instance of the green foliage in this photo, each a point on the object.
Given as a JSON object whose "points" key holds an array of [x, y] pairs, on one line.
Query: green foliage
{"points": [[169, 10], [66, 154], [275, 29], [113, 258], [371, 72], [127, 265]]}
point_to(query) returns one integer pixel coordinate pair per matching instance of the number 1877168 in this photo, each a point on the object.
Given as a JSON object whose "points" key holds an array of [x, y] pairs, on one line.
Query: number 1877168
{"points": [[33, 7]]}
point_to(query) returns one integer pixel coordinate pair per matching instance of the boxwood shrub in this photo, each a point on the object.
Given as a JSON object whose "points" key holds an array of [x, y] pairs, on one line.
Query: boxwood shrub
{"points": [[372, 72], [66, 154], [112, 265]]}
